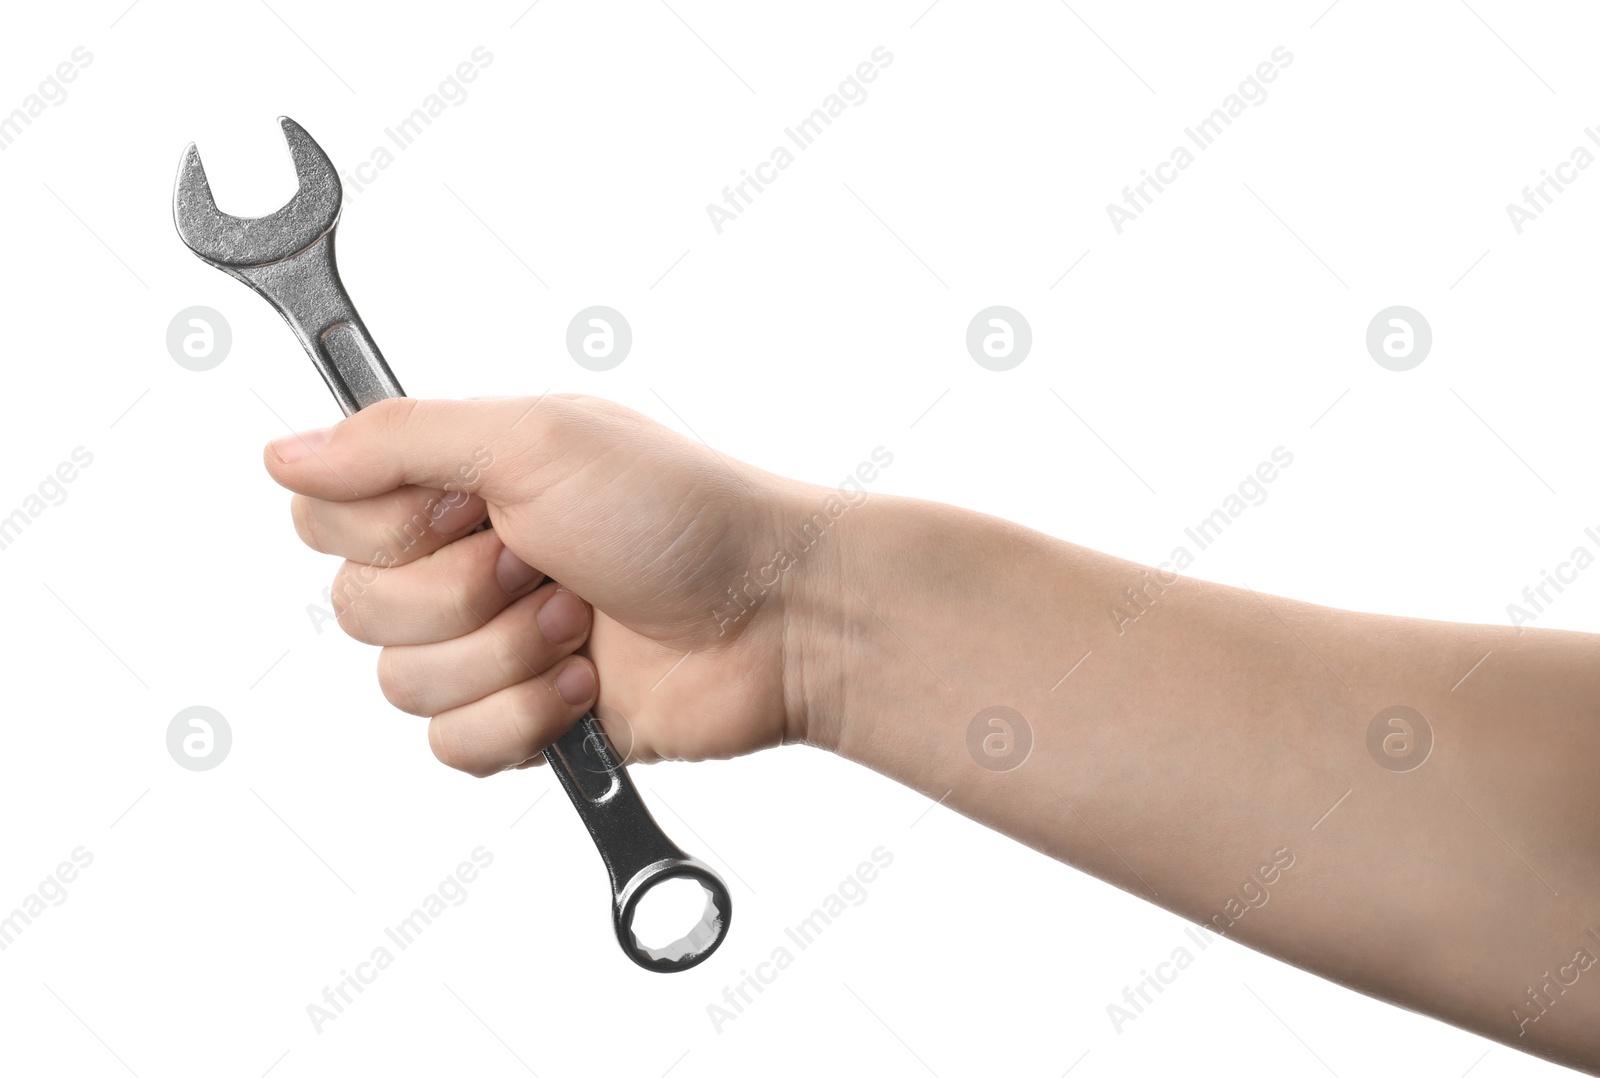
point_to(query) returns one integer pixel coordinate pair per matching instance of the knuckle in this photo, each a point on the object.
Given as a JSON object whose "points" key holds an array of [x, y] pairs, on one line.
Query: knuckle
{"points": [[398, 683], [350, 622], [466, 617], [542, 424], [307, 525], [556, 415], [403, 539], [348, 607], [390, 415], [508, 661], [443, 745], [449, 749]]}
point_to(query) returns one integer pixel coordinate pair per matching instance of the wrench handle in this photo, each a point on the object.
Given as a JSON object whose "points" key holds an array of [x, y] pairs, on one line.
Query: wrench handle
{"points": [[637, 855], [307, 291]]}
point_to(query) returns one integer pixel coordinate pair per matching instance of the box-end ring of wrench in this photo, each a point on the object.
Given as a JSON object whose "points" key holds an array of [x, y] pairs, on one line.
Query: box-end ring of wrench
{"points": [[287, 256]]}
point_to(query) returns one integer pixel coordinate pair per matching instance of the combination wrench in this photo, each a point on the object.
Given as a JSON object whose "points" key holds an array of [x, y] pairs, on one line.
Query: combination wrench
{"points": [[287, 256]]}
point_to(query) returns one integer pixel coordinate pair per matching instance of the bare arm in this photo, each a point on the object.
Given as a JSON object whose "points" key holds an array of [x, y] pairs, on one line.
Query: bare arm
{"points": [[1241, 759]]}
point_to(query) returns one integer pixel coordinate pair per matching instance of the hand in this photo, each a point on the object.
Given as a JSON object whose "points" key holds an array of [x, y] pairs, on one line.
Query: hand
{"points": [[650, 535]]}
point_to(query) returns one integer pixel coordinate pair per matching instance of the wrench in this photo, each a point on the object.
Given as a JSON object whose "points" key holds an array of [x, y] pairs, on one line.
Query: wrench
{"points": [[287, 256]]}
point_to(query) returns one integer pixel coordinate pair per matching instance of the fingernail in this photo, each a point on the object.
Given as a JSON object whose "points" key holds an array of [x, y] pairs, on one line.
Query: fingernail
{"points": [[575, 684], [300, 446], [564, 617], [513, 573], [454, 512]]}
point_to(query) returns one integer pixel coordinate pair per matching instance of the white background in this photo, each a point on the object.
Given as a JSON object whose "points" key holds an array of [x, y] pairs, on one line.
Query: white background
{"points": [[827, 320]]}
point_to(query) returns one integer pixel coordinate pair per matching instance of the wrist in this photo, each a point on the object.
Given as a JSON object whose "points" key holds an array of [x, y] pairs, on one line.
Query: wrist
{"points": [[860, 567], [914, 617], [885, 620], [815, 650]]}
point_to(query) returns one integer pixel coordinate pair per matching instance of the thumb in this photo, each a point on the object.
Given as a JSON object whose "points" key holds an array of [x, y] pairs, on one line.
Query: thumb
{"points": [[450, 445]]}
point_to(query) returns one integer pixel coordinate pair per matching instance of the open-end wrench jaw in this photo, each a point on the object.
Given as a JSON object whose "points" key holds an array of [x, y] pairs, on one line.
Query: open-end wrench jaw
{"points": [[287, 256], [229, 242]]}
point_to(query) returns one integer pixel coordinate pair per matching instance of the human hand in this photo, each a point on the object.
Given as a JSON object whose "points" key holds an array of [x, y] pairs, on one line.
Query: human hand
{"points": [[650, 529]]}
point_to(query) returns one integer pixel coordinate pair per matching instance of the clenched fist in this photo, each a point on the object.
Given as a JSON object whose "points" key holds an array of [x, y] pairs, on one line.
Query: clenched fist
{"points": [[652, 538]]}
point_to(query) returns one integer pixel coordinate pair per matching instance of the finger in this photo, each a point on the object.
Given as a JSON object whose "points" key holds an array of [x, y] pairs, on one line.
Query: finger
{"points": [[515, 724], [449, 593], [393, 528], [528, 637], [448, 445]]}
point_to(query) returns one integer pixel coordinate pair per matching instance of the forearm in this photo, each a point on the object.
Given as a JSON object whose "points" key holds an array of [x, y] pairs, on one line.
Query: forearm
{"points": [[1184, 746]]}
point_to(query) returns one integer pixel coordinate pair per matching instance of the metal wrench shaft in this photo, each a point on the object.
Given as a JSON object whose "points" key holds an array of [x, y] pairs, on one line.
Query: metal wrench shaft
{"points": [[307, 291], [288, 257]]}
